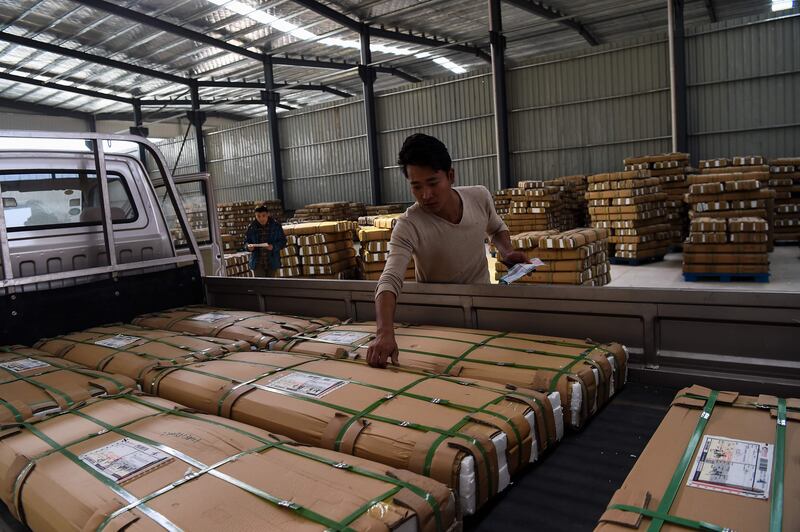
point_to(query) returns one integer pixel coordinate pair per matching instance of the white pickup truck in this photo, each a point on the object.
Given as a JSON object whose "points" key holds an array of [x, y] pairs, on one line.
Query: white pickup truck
{"points": [[88, 238]]}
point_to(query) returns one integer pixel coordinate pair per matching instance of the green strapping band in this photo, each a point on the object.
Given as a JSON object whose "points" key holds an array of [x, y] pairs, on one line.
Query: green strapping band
{"points": [[71, 369], [675, 483], [776, 505], [205, 469], [113, 486], [14, 412], [426, 496], [672, 519]]}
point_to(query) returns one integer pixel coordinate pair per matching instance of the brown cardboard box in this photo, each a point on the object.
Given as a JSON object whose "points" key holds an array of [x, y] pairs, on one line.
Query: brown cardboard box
{"points": [[708, 225], [369, 234], [143, 463], [747, 225], [573, 367], [331, 258], [131, 350], [322, 249], [34, 383], [258, 329], [751, 420], [423, 423]]}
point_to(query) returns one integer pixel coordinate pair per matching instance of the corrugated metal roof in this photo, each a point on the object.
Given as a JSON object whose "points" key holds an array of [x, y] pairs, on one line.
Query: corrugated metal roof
{"points": [[70, 24]]}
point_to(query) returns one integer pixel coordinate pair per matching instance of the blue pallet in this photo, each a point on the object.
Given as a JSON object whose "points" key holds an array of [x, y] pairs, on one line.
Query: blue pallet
{"points": [[726, 277], [619, 261]]}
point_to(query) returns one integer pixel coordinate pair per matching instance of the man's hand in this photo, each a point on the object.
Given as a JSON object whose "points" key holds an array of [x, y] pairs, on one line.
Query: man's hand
{"points": [[268, 246], [382, 349], [515, 257]]}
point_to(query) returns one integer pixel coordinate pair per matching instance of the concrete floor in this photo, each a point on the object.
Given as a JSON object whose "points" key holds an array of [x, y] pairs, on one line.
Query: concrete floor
{"points": [[784, 274]]}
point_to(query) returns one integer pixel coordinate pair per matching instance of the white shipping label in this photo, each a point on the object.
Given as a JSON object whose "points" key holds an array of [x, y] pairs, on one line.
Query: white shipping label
{"points": [[211, 317], [123, 459], [23, 364], [306, 384], [520, 270], [738, 467], [343, 337], [118, 341]]}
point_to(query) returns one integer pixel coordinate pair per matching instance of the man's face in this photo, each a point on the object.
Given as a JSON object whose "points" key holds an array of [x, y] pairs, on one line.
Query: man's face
{"points": [[262, 217], [431, 188]]}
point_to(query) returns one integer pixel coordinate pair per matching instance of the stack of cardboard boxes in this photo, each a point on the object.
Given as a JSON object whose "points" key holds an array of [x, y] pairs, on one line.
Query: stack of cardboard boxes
{"points": [[331, 211], [290, 259], [577, 256], [737, 200], [573, 191], [671, 170], [325, 249], [237, 264], [356, 211], [234, 218], [393, 208], [535, 206], [375, 252], [730, 208], [785, 180], [502, 202], [631, 206]]}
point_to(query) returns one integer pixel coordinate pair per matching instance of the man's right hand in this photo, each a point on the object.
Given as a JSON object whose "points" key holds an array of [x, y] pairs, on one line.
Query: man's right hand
{"points": [[382, 349]]}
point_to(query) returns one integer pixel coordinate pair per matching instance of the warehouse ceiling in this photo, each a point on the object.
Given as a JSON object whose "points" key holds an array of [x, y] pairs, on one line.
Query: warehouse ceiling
{"points": [[47, 44]]}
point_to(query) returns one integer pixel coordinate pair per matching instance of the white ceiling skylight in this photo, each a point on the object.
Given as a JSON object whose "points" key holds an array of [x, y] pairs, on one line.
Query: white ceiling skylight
{"points": [[292, 29], [781, 5]]}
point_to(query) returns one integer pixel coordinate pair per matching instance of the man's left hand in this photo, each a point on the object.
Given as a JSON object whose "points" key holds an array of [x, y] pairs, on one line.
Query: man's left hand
{"points": [[515, 257]]}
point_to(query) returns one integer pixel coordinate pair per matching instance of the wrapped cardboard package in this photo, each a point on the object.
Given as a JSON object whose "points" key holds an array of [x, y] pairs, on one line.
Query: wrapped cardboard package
{"points": [[467, 434], [34, 383], [131, 350], [258, 329], [145, 464], [720, 458], [584, 374]]}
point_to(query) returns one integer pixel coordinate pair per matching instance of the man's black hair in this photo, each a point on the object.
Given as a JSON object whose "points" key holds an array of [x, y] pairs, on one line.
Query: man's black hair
{"points": [[420, 149], [262, 208]]}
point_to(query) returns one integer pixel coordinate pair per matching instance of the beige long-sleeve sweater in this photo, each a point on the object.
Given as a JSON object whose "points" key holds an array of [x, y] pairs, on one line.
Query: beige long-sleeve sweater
{"points": [[443, 252]]}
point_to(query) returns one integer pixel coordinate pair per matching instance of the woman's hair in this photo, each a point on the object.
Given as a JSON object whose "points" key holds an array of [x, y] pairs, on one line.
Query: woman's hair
{"points": [[423, 150]]}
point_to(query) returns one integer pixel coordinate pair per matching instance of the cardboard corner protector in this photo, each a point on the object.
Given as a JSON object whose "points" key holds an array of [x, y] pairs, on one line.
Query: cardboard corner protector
{"points": [[638, 499]]}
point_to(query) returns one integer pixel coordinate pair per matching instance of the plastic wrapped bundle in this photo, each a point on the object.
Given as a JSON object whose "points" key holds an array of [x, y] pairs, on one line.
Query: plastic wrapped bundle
{"points": [[139, 463]]}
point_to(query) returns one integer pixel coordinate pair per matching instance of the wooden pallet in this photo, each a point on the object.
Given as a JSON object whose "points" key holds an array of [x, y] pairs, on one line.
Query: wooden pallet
{"points": [[727, 277]]}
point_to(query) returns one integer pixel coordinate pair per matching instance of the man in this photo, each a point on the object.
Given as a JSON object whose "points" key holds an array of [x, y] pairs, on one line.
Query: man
{"points": [[444, 231], [265, 239]]}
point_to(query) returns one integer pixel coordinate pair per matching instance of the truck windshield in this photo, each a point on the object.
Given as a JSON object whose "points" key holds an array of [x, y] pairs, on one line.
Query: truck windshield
{"points": [[56, 198]]}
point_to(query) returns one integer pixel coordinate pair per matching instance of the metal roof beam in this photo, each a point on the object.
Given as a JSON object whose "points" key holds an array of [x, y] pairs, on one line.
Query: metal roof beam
{"points": [[192, 35], [541, 10], [66, 88], [260, 86], [42, 109], [83, 56], [381, 33]]}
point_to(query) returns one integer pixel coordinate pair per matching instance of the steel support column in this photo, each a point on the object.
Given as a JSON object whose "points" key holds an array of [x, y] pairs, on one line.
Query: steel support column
{"points": [[677, 75], [272, 98], [197, 118], [498, 43], [368, 76], [139, 129]]}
